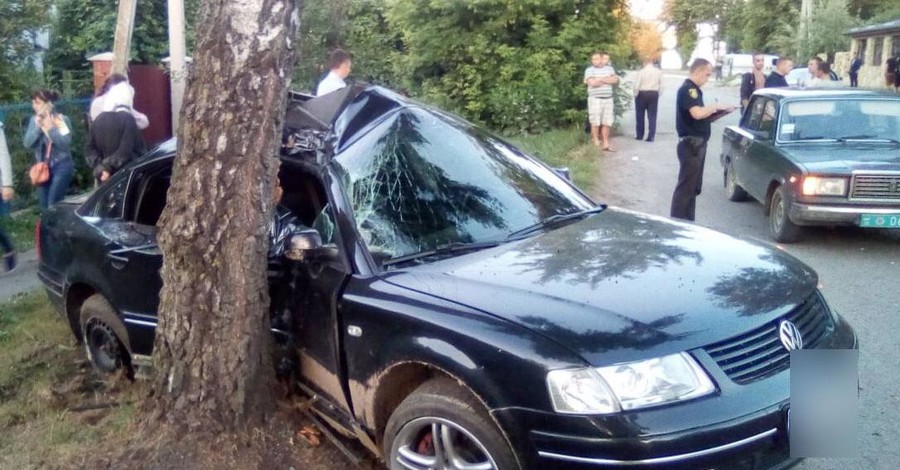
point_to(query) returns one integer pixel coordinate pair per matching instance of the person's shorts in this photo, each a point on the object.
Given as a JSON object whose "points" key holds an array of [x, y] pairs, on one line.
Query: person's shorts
{"points": [[600, 111]]}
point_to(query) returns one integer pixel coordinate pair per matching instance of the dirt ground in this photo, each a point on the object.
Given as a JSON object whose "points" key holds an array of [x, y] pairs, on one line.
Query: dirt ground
{"points": [[103, 417]]}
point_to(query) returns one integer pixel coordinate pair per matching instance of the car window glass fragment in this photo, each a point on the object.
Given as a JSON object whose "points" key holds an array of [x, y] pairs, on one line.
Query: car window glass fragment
{"points": [[418, 182]]}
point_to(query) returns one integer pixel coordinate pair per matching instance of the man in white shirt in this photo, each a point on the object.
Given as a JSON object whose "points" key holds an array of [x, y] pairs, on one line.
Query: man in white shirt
{"points": [[339, 68], [647, 86]]}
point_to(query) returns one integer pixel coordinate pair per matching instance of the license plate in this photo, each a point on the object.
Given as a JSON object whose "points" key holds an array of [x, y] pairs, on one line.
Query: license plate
{"points": [[880, 220]]}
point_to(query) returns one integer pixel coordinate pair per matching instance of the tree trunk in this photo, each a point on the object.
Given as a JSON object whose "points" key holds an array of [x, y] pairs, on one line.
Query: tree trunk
{"points": [[213, 345]]}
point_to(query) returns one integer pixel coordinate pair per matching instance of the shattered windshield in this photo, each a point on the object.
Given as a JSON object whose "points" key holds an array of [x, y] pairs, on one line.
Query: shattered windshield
{"points": [[421, 180]]}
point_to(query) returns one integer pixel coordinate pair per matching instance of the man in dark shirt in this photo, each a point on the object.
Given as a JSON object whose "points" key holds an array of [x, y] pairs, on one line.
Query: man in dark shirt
{"points": [[692, 121], [777, 78]]}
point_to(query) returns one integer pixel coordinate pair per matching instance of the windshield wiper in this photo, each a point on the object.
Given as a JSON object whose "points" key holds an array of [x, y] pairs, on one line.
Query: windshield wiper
{"points": [[448, 248], [554, 220], [868, 137]]}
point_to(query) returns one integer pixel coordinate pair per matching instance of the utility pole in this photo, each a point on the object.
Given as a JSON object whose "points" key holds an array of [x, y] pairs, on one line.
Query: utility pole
{"points": [[122, 42], [806, 7], [177, 72]]}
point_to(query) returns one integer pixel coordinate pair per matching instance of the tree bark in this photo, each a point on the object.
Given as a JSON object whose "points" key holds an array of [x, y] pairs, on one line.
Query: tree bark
{"points": [[213, 345]]}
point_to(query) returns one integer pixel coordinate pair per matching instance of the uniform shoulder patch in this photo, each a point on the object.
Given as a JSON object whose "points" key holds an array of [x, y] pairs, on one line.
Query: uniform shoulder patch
{"points": [[693, 93]]}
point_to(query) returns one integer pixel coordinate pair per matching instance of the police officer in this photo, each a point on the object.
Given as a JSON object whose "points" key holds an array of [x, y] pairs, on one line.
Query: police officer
{"points": [[692, 121]]}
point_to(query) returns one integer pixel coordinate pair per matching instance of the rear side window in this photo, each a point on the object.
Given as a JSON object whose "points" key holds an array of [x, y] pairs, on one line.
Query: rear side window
{"points": [[112, 204]]}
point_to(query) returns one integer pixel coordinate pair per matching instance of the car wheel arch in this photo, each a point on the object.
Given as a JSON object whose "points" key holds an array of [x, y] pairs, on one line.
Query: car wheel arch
{"points": [[401, 380], [773, 185], [76, 295]]}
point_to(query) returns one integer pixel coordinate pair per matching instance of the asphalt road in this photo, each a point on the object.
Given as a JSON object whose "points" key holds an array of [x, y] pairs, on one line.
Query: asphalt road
{"points": [[22, 279], [859, 269]]}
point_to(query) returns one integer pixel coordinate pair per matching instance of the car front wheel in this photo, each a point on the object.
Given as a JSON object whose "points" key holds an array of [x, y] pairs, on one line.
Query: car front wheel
{"points": [[733, 191], [104, 336], [442, 425], [780, 226]]}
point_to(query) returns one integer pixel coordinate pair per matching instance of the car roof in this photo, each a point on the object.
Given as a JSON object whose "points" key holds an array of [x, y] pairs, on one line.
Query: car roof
{"points": [[797, 92], [328, 113]]}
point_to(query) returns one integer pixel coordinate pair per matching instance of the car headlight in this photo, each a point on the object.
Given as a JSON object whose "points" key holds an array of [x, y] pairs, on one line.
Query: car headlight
{"points": [[822, 186], [628, 386]]}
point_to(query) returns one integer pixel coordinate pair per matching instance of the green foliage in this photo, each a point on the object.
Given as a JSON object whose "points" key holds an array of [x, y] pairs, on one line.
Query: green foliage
{"points": [[686, 14], [21, 21], [883, 12], [20, 228], [87, 27], [323, 27], [769, 26], [376, 48], [516, 66], [828, 23]]}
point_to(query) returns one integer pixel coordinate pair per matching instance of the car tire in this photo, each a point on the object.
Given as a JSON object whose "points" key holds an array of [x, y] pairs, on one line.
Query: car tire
{"points": [[105, 337], [780, 226], [733, 191], [444, 408]]}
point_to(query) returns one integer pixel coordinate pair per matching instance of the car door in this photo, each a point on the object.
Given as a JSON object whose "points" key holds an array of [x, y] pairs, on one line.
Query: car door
{"points": [[739, 139], [756, 159], [310, 292]]}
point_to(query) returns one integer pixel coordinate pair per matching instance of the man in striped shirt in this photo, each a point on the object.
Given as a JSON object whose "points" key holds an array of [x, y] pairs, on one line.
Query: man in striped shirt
{"points": [[600, 78]]}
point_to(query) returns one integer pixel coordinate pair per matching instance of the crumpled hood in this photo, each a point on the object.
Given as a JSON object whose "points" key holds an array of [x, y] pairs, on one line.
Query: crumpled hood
{"points": [[621, 285], [844, 158]]}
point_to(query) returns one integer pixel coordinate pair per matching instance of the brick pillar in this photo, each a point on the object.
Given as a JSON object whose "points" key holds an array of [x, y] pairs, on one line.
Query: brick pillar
{"points": [[102, 63]]}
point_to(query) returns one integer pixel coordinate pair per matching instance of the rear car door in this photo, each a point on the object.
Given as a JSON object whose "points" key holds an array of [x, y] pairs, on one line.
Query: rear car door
{"points": [[126, 216]]}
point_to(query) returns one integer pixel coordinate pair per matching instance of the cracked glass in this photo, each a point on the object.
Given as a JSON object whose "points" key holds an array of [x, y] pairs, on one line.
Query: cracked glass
{"points": [[421, 180]]}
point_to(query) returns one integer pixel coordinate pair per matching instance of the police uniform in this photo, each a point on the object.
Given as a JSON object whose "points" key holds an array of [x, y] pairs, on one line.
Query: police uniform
{"points": [[693, 134]]}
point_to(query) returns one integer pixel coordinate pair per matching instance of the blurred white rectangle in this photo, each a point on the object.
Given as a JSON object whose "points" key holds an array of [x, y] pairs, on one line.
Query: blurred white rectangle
{"points": [[824, 395]]}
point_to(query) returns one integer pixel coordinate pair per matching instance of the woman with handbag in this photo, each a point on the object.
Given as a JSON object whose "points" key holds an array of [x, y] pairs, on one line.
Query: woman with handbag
{"points": [[49, 135]]}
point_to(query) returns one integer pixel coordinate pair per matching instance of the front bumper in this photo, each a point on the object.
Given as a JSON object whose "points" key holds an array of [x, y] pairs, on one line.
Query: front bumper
{"points": [[755, 441], [815, 214], [741, 427]]}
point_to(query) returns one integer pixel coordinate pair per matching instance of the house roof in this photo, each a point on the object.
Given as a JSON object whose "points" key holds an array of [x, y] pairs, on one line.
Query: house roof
{"points": [[876, 29]]}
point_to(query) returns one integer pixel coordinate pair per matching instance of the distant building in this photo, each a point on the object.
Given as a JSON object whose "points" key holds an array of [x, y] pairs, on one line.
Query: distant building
{"points": [[875, 44]]}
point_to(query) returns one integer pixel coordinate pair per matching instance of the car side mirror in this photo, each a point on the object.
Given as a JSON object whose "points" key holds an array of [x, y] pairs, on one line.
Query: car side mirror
{"points": [[307, 245]]}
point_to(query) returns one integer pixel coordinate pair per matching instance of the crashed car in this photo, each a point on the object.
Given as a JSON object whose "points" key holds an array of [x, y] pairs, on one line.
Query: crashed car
{"points": [[464, 306], [817, 158]]}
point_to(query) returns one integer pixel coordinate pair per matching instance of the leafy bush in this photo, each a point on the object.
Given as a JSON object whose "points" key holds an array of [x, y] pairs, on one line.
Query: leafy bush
{"points": [[514, 66]]}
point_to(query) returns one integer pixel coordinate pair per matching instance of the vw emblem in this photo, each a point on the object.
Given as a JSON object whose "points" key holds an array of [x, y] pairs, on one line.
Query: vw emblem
{"points": [[790, 336]]}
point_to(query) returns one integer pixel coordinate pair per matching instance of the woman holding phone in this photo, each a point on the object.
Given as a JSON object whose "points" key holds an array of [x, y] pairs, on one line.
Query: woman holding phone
{"points": [[49, 135]]}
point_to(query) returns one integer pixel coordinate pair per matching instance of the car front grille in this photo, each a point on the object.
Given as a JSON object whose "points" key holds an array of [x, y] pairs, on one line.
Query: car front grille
{"points": [[878, 187], [758, 353]]}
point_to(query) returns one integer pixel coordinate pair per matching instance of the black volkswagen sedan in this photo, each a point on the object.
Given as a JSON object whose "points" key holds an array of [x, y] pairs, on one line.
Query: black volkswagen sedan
{"points": [[817, 157], [454, 303]]}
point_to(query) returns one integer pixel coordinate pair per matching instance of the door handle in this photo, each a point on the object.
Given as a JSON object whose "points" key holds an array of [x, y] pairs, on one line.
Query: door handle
{"points": [[117, 261]]}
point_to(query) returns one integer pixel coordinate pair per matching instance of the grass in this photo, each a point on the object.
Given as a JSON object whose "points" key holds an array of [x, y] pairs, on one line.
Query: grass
{"points": [[44, 380], [570, 148], [20, 228]]}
